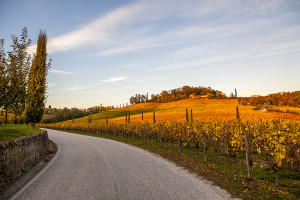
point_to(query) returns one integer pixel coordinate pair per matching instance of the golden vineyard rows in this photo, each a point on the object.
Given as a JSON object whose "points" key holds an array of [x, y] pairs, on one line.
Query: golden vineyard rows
{"points": [[277, 140]]}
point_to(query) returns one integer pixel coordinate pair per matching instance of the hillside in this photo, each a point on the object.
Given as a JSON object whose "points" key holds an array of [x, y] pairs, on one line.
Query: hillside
{"points": [[203, 110]]}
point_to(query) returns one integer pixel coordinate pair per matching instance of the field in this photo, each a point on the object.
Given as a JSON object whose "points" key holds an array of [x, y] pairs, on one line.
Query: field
{"points": [[252, 149]]}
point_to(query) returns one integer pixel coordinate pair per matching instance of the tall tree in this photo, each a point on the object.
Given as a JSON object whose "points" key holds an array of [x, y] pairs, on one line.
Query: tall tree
{"points": [[3, 79], [18, 69], [37, 82]]}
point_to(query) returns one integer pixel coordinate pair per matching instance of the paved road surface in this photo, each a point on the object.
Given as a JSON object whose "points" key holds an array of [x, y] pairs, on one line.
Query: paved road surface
{"points": [[94, 168]]}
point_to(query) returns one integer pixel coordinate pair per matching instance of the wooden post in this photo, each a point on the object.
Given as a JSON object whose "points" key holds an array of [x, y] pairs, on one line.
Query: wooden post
{"points": [[237, 113], [129, 117], [126, 118], [153, 116], [160, 139], [179, 145], [191, 115], [248, 159], [133, 134], [107, 120], [187, 115]]}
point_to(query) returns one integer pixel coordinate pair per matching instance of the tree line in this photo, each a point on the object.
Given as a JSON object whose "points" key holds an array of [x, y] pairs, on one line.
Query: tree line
{"points": [[23, 78], [280, 98], [178, 94], [53, 115]]}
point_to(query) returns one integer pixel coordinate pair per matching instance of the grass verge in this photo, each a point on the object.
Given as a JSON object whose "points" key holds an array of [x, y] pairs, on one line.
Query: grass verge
{"points": [[220, 169], [11, 131]]}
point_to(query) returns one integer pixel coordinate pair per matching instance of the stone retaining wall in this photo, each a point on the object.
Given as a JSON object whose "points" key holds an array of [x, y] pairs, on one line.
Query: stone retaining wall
{"points": [[18, 156]]}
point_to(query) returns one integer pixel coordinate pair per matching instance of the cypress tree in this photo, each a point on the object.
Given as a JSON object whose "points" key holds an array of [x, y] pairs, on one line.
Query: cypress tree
{"points": [[37, 82]]}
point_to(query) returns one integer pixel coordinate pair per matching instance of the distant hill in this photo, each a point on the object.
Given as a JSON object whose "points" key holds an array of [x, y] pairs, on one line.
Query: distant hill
{"points": [[185, 92]]}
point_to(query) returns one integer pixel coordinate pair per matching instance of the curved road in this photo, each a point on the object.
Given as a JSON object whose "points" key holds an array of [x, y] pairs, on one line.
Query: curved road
{"points": [[94, 168]]}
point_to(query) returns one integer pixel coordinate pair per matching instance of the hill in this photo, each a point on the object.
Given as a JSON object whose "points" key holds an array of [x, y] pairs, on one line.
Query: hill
{"points": [[203, 110]]}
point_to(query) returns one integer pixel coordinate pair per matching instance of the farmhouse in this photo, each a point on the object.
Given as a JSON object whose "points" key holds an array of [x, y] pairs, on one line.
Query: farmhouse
{"points": [[109, 107], [194, 96]]}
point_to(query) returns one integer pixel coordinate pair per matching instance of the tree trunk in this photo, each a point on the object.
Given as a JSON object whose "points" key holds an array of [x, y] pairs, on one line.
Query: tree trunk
{"points": [[6, 121]]}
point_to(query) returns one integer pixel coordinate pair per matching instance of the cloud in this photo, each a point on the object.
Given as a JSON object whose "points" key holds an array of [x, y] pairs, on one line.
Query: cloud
{"points": [[278, 49], [213, 59], [111, 80], [51, 84], [83, 87], [56, 71], [115, 79], [129, 66], [139, 25], [126, 49], [98, 31]]}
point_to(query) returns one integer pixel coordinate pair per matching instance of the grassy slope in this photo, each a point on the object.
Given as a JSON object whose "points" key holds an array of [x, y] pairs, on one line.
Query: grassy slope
{"points": [[10, 132]]}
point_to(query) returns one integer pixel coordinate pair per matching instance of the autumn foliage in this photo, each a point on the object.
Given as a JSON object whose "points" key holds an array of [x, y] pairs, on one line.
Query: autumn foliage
{"points": [[280, 98]]}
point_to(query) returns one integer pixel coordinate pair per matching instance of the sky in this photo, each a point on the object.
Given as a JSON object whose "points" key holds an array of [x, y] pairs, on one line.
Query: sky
{"points": [[104, 52]]}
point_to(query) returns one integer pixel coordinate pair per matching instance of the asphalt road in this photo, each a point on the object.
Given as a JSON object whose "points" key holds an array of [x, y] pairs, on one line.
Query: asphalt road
{"points": [[94, 168]]}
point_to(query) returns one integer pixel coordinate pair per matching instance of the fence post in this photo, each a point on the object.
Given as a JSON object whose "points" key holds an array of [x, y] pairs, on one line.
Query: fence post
{"points": [[247, 151], [187, 115], [160, 139]]}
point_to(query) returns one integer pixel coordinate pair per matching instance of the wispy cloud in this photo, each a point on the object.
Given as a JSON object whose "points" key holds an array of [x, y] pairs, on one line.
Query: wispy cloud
{"points": [[115, 79], [127, 28], [51, 84], [56, 71], [84, 87], [278, 49], [213, 59], [126, 49], [99, 31]]}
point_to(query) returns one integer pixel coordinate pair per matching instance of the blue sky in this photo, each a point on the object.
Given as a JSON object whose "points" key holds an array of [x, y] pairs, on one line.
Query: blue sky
{"points": [[106, 51]]}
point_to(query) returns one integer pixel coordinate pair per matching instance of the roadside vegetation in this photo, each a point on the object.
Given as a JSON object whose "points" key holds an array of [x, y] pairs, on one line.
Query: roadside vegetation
{"points": [[11, 132]]}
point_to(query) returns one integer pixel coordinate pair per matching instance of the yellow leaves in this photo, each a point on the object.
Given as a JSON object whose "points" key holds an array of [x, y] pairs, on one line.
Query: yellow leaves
{"points": [[258, 150], [277, 139]]}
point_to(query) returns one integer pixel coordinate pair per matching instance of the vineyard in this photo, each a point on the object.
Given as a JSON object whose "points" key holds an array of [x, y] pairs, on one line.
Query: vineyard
{"points": [[207, 129]]}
